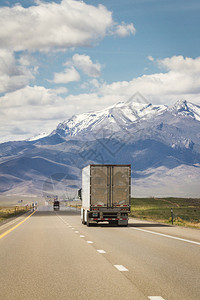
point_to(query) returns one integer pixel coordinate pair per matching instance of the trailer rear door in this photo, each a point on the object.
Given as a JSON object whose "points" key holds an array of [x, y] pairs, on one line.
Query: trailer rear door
{"points": [[110, 185], [99, 186], [120, 185]]}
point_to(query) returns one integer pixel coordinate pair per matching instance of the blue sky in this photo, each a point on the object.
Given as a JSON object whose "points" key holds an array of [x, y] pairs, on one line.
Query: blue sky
{"points": [[59, 58]]}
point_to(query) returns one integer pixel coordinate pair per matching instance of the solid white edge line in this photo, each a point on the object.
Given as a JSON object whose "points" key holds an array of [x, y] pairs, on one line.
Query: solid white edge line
{"points": [[156, 298], [168, 236], [121, 268], [101, 251]]}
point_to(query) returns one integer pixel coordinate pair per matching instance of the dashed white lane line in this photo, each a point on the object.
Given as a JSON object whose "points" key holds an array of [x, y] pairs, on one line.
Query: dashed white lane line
{"points": [[166, 235], [89, 242], [73, 228], [121, 268], [76, 231], [82, 236], [101, 251], [156, 298]]}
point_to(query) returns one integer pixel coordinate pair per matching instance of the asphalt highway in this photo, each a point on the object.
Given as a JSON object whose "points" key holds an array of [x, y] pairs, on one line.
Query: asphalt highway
{"points": [[51, 255]]}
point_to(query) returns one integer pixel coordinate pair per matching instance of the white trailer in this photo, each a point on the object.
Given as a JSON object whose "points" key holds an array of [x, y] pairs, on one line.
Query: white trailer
{"points": [[106, 193]]}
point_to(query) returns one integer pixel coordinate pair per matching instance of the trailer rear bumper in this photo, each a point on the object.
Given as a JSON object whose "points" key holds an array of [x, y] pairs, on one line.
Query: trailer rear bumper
{"points": [[113, 216], [109, 219], [117, 221]]}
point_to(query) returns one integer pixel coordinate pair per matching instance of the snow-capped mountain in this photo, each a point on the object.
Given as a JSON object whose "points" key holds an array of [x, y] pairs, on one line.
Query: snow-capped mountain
{"points": [[39, 136], [185, 108], [162, 144], [111, 118]]}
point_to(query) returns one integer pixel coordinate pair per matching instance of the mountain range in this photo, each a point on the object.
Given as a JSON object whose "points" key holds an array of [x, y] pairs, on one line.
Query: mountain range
{"points": [[161, 143]]}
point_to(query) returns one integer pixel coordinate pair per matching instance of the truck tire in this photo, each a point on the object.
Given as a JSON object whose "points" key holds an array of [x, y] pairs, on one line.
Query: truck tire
{"points": [[123, 222], [88, 223], [113, 222], [123, 225], [83, 222]]}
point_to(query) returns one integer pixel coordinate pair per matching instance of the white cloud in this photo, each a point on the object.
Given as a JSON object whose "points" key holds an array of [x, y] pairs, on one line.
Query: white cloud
{"points": [[50, 25], [182, 80], [69, 75], [92, 85], [150, 58], [14, 74], [95, 83], [30, 110], [181, 65], [60, 90], [27, 96], [85, 63], [63, 25], [123, 30], [81, 62]]}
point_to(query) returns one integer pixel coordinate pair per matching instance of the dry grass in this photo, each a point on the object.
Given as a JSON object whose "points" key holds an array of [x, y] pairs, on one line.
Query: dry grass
{"points": [[9, 212], [186, 210]]}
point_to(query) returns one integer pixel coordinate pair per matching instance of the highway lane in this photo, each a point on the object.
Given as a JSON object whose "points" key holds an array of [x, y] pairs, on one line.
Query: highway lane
{"points": [[158, 265], [43, 258], [52, 255]]}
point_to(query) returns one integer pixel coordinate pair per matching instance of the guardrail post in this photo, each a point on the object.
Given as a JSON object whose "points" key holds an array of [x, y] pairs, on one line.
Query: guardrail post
{"points": [[172, 216]]}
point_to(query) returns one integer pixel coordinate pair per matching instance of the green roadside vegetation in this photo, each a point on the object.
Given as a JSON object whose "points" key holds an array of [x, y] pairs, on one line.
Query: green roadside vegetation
{"points": [[186, 211], [9, 212]]}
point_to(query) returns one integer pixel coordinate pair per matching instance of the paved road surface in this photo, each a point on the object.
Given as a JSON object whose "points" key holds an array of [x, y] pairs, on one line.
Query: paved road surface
{"points": [[51, 255]]}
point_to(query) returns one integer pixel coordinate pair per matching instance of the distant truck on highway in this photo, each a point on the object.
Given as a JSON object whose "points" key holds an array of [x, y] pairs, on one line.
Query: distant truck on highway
{"points": [[56, 204], [106, 193]]}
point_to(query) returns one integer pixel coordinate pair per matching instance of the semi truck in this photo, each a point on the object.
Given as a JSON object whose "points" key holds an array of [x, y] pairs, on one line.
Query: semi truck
{"points": [[106, 193]]}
